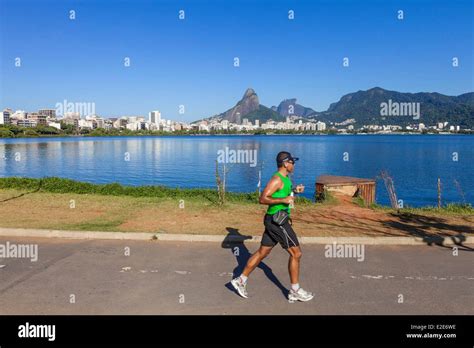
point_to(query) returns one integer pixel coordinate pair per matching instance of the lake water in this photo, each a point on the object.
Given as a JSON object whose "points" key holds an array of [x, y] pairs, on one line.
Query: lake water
{"points": [[414, 162]]}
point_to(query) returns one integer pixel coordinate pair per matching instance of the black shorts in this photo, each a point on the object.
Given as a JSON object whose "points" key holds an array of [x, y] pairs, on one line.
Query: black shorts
{"points": [[278, 234]]}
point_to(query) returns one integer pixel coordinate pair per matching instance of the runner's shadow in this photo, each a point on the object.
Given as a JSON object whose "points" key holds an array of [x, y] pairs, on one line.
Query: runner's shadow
{"points": [[421, 226], [235, 242]]}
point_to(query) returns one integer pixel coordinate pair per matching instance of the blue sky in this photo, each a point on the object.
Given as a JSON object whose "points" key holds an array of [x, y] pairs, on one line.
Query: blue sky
{"points": [[190, 62]]}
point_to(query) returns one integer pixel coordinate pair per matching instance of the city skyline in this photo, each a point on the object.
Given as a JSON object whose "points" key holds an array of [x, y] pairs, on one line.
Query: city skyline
{"points": [[47, 117], [65, 109], [188, 64]]}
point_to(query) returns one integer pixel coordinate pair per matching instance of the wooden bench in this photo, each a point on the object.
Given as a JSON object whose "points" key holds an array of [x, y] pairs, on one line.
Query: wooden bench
{"points": [[346, 185]]}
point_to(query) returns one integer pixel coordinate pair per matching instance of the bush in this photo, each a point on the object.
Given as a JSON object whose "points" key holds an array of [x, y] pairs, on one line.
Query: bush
{"points": [[98, 132], [358, 200], [30, 133], [14, 128], [325, 197], [6, 133], [47, 130], [450, 208], [60, 185]]}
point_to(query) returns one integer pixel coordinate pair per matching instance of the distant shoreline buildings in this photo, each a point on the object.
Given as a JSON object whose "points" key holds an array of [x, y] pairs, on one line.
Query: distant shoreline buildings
{"points": [[292, 123], [155, 122]]}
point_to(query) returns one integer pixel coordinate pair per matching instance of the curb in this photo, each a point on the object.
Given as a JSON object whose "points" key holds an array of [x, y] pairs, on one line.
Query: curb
{"points": [[23, 232]]}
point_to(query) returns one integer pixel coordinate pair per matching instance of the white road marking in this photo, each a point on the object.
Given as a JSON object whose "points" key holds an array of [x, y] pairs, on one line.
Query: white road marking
{"points": [[222, 274], [428, 277], [372, 277]]}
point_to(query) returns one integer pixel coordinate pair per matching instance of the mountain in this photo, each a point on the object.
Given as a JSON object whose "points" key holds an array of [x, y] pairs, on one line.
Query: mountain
{"points": [[365, 108], [246, 105], [289, 107], [250, 108], [466, 98]]}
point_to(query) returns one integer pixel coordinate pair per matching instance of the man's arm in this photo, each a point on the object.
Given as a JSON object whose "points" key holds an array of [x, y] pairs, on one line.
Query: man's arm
{"points": [[273, 185]]}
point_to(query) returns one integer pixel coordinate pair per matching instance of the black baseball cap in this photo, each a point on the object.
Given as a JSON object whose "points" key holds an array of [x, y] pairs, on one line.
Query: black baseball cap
{"points": [[284, 156]]}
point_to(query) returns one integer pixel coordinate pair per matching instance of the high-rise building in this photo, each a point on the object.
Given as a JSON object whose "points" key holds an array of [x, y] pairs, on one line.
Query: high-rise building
{"points": [[5, 116], [320, 126], [97, 122], [40, 119], [51, 113], [257, 123], [155, 117]]}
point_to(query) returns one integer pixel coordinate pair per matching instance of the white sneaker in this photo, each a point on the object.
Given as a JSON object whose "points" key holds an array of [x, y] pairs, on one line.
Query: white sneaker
{"points": [[240, 286], [300, 295]]}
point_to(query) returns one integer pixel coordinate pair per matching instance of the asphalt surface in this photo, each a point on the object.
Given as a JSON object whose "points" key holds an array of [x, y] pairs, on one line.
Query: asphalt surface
{"points": [[193, 278]]}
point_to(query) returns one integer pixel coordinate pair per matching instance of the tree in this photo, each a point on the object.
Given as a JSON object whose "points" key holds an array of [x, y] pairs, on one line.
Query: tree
{"points": [[46, 130], [14, 128], [6, 133], [67, 128], [30, 133]]}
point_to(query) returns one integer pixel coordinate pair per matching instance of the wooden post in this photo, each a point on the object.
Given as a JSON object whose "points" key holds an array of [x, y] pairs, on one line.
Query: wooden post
{"points": [[439, 193]]}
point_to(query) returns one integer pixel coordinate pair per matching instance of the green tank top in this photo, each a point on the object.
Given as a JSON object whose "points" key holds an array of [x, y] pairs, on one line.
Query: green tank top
{"points": [[283, 193]]}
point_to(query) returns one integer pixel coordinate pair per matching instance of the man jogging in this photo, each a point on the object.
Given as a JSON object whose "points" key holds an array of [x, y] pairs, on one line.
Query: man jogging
{"points": [[278, 195]]}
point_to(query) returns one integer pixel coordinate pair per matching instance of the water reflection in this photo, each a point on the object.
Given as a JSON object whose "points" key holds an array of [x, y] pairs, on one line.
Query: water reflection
{"points": [[415, 162]]}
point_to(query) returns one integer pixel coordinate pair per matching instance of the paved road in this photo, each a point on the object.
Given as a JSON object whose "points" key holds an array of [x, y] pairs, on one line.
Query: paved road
{"points": [[190, 278]]}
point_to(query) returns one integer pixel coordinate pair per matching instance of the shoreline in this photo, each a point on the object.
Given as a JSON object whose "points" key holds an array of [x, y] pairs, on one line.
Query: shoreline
{"points": [[67, 136], [66, 185]]}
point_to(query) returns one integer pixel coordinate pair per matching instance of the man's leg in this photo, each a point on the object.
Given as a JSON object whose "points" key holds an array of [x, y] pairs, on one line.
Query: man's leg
{"points": [[240, 282], [256, 258], [294, 264], [297, 293]]}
